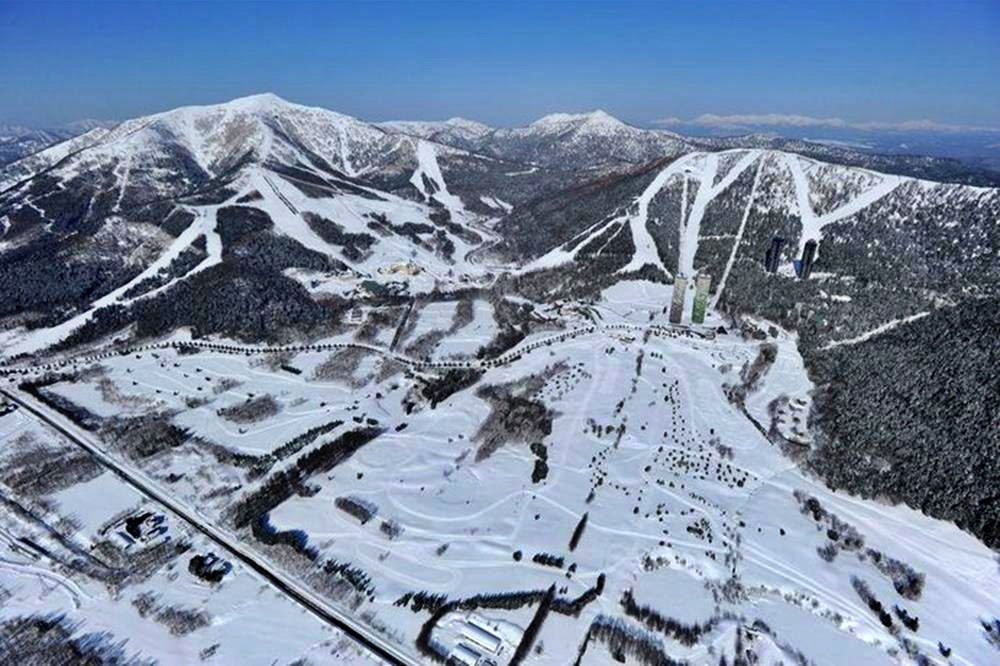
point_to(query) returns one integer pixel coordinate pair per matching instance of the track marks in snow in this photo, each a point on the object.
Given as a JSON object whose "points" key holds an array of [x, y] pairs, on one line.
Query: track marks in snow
{"points": [[123, 177], [739, 237]]}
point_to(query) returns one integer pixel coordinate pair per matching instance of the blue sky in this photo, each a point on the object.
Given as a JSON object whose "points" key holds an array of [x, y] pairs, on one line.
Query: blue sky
{"points": [[507, 63]]}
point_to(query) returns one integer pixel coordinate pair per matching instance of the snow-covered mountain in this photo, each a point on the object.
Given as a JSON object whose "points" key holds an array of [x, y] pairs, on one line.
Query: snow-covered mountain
{"points": [[457, 132], [560, 140], [585, 139], [257, 181], [451, 311], [584, 194], [597, 140], [943, 169], [18, 142], [709, 212]]}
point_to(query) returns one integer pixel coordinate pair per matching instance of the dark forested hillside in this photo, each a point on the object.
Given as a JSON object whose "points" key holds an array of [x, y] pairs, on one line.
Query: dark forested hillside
{"points": [[914, 415]]}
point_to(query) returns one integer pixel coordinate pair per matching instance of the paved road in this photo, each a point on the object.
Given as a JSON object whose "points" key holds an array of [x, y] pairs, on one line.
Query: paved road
{"points": [[296, 591]]}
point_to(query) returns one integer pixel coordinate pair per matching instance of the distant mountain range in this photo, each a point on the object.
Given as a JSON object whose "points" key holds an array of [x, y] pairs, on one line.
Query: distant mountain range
{"points": [[17, 141], [559, 138]]}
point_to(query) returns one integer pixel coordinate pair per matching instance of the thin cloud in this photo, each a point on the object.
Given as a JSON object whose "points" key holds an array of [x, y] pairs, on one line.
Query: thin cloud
{"points": [[745, 121]]}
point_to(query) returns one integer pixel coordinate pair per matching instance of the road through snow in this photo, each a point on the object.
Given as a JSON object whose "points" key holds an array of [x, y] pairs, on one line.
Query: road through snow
{"points": [[295, 590]]}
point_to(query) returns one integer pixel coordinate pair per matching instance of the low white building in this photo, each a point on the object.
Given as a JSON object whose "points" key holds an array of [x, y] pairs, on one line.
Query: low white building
{"points": [[482, 637], [464, 654]]}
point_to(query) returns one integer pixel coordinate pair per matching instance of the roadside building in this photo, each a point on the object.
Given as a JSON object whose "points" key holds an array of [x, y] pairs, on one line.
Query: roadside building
{"points": [[463, 654], [482, 637]]}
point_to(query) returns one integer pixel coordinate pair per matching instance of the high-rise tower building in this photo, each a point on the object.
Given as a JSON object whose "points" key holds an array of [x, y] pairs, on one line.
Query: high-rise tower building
{"points": [[808, 256], [701, 286], [677, 300], [773, 256]]}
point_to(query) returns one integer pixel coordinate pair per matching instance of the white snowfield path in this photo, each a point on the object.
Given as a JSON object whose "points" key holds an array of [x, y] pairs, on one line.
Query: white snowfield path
{"points": [[204, 224], [707, 191], [739, 237], [286, 205], [705, 173], [150, 488], [427, 165], [878, 330], [645, 247], [812, 224]]}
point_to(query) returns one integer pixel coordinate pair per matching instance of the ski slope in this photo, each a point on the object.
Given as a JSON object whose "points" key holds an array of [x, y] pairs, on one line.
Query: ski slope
{"points": [[701, 170], [203, 225], [813, 224]]}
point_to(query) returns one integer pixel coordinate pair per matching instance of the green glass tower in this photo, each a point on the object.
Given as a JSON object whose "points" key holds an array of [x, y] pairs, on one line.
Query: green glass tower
{"points": [[701, 286]]}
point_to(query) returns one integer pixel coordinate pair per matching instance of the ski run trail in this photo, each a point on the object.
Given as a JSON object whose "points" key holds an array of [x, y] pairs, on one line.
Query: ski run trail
{"points": [[812, 224], [867, 335], [203, 225], [427, 167], [700, 166], [704, 168], [738, 239]]}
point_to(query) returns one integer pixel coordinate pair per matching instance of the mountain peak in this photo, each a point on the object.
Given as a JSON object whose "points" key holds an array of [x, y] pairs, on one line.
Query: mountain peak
{"points": [[467, 124], [597, 117], [265, 100]]}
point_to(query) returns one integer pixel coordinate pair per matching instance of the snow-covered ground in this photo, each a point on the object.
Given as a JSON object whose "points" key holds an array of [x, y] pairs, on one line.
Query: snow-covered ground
{"points": [[241, 619], [689, 507]]}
